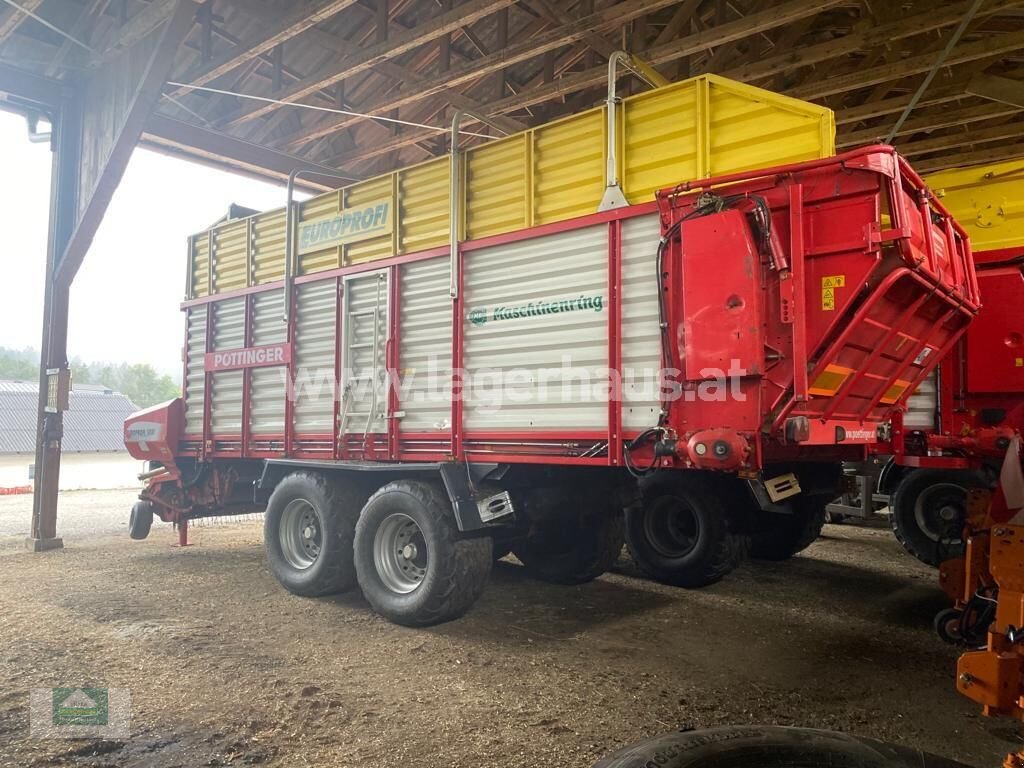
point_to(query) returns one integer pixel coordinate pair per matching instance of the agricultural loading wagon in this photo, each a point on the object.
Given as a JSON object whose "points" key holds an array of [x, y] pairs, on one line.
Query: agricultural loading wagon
{"points": [[955, 430], [431, 400]]}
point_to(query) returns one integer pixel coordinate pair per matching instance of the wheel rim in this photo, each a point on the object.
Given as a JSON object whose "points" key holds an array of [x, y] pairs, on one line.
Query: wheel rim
{"points": [[940, 509], [301, 534], [671, 527], [400, 553]]}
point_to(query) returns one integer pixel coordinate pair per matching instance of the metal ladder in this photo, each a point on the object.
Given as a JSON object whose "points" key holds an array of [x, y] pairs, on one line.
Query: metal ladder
{"points": [[373, 377]]}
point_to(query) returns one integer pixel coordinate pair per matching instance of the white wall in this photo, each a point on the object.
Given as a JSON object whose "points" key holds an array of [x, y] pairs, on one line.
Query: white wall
{"points": [[77, 470]]}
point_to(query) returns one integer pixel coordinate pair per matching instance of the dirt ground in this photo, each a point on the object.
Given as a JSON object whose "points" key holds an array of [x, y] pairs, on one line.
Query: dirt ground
{"points": [[226, 669]]}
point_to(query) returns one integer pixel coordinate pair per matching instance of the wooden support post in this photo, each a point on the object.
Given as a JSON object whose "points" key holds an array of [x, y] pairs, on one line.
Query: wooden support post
{"points": [[97, 124], [64, 183]]}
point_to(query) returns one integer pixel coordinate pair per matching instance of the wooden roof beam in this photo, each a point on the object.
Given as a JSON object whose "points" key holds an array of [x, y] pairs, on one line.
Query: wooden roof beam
{"points": [[963, 159], [1002, 89], [373, 55], [12, 18], [991, 45], [276, 31], [960, 139], [518, 52], [927, 122], [778, 15]]}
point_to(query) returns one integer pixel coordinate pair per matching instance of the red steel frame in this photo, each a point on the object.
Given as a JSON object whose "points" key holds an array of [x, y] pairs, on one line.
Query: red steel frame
{"points": [[958, 430], [459, 444]]}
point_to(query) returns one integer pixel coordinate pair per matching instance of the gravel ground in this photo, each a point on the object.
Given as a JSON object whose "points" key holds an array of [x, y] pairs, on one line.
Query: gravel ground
{"points": [[225, 668], [81, 514]]}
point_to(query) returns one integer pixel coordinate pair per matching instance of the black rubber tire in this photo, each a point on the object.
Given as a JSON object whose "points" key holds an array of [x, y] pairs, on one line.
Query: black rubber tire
{"points": [[717, 549], [947, 626], [573, 548], [904, 520], [336, 506], [780, 537], [768, 747], [140, 520], [456, 567]]}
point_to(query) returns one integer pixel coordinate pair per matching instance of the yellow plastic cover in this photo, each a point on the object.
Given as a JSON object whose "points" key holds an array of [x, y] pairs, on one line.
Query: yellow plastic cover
{"points": [[988, 200]]}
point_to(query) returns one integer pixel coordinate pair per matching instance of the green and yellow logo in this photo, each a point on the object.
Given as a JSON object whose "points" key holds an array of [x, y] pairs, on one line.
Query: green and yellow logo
{"points": [[541, 308], [80, 706]]}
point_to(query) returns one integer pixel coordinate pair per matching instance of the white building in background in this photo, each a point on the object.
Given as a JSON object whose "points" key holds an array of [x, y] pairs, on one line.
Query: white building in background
{"points": [[94, 455]]}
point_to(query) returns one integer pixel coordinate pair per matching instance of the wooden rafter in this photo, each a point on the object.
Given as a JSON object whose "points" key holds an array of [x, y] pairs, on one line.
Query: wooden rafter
{"points": [[277, 31], [369, 57], [11, 18]]}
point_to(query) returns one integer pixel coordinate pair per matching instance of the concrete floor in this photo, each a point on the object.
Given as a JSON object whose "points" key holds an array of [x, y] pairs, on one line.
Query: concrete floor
{"points": [[225, 668]]}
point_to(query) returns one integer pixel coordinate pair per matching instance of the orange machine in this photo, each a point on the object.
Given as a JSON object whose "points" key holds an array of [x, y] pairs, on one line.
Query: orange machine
{"points": [[987, 586]]}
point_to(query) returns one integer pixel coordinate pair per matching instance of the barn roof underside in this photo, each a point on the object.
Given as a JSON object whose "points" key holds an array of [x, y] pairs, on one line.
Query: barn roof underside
{"points": [[524, 62]]}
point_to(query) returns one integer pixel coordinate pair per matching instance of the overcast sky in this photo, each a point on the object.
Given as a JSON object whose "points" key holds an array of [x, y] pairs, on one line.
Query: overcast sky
{"points": [[125, 301]]}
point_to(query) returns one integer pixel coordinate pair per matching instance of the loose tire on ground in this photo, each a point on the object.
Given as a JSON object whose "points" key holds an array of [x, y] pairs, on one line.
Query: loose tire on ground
{"points": [[572, 548], [780, 537], [928, 513], [307, 532], [769, 747], [682, 533], [413, 565], [140, 520]]}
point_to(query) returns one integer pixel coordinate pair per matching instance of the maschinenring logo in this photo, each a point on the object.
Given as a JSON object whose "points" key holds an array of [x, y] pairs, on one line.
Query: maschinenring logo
{"points": [[540, 308], [80, 706], [80, 713]]}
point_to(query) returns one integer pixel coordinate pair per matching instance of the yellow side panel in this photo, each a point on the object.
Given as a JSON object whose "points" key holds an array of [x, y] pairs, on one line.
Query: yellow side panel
{"points": [[200, 265], [423, 206], [753, 128], [230, 256], [988, 200], [268, 247], [568, 167], [371, 190], [322, 205], [660, 137], [497, 187], [329, 258], [709, 126]]}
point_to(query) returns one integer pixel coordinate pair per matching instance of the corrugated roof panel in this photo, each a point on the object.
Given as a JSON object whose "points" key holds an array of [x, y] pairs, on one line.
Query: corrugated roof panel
{"points": [[94, 421]]}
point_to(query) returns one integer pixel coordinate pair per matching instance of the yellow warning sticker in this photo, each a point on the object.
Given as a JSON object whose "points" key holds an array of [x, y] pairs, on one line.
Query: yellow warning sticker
{"points": [[828, 299], [1019, 362], [828, 293]]}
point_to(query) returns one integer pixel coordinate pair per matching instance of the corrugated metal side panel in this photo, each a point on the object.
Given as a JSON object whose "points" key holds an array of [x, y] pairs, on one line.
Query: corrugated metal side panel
{"points": [[268, 247], [315, 345], [228, 333], [497, 187], [423, 205], [922, 406], [195, 371], [231, 256], [707, 126], [369, 191], [660, 140], [988, 200], [541, 358], [365, 400], [753, 128], [329, 258], [568, 167], [267, 385], [200, 256], [425, 352], [641, 341]]}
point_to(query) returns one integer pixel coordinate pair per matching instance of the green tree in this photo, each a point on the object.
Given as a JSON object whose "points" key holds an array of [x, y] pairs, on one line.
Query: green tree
{"points": [[142, 384]]}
